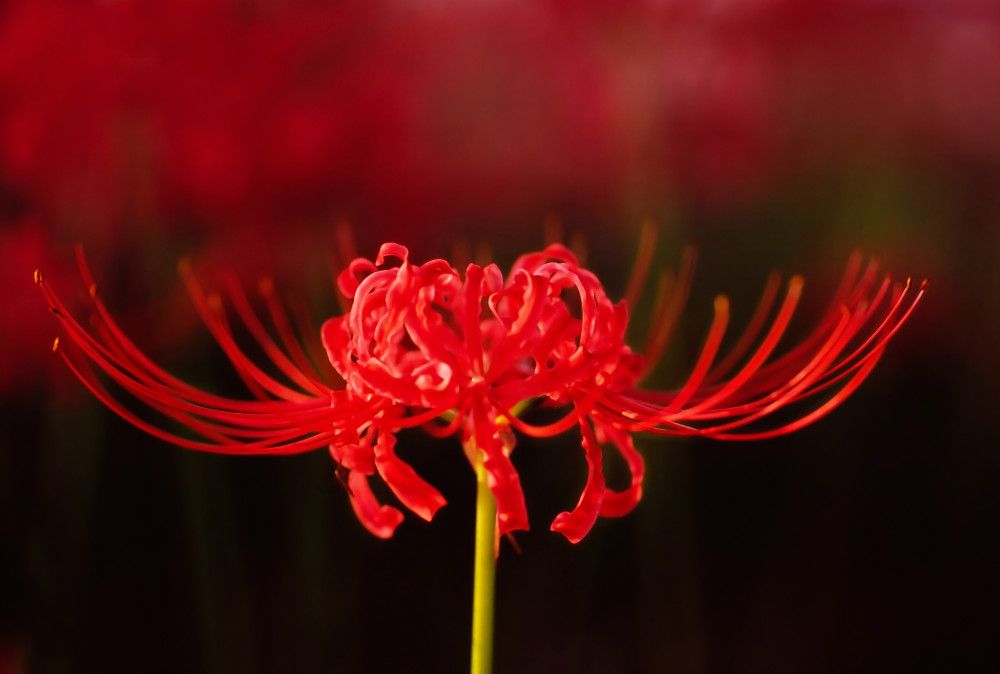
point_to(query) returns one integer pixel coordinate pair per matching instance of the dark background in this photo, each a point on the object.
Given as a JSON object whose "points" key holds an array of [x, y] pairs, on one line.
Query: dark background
{"points": [[769, 134]]}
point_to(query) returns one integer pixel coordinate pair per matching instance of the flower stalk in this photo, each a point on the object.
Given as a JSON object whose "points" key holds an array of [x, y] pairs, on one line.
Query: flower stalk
{"points": [[484, 574]]}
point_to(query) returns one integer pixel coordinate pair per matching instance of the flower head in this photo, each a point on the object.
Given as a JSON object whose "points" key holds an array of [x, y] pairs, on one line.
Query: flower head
{"points": [[425, 345]]}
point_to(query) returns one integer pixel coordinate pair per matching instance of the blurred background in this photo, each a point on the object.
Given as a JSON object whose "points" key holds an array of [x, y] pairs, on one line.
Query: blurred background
{"points": [[768, 133]]}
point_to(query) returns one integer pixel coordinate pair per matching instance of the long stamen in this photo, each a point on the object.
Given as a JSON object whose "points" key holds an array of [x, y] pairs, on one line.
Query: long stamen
{"points": [[753, 329], [763, 351], [276, 428], [643, 260], [212, 313], [708, 352], [283, 326], [291, 370], [153, 393], [208, 312], [664, 326], [808, 373], [312, 344], [288, 445], [779, 370], [847, 295], [818, 374], [756, 360], [841, 370], [813, 416]]}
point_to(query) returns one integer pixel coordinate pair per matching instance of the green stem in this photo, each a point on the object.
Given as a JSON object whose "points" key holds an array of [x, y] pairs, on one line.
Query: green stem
{"points": [[484, 574], [485, 564]]}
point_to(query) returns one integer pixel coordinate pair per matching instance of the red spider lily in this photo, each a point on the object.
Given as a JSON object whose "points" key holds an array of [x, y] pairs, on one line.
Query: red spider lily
{"points": [[423, 345]]}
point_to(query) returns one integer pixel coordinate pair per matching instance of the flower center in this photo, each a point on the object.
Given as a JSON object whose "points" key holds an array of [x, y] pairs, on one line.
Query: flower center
{"points": [[425, 336]]}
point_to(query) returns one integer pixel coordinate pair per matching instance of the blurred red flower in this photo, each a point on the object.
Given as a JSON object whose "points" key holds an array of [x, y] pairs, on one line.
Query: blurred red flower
{"points": [[220, 113], [25, 327], [249, 126]]}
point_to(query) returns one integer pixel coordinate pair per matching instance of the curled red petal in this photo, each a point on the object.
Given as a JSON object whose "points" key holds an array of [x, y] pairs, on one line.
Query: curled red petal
{"points": [[350, 278], [474, 278], [576, 524], [391, 250], [502, 478], [554, 251], [336, 339], [414, 492], [620, 503], [379, 519]]}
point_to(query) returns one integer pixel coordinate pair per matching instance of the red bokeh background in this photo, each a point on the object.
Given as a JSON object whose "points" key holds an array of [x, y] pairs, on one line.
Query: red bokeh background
{"points": [[240, 132]]}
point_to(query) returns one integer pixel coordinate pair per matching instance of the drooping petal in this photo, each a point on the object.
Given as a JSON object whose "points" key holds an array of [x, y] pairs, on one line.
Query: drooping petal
{"points": [[414, 492], [502, 478], [620, 503], [379, 519], [576, 524]]}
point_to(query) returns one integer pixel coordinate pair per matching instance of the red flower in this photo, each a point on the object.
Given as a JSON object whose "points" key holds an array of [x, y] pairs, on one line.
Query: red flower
{"points": [[422, 344]]}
